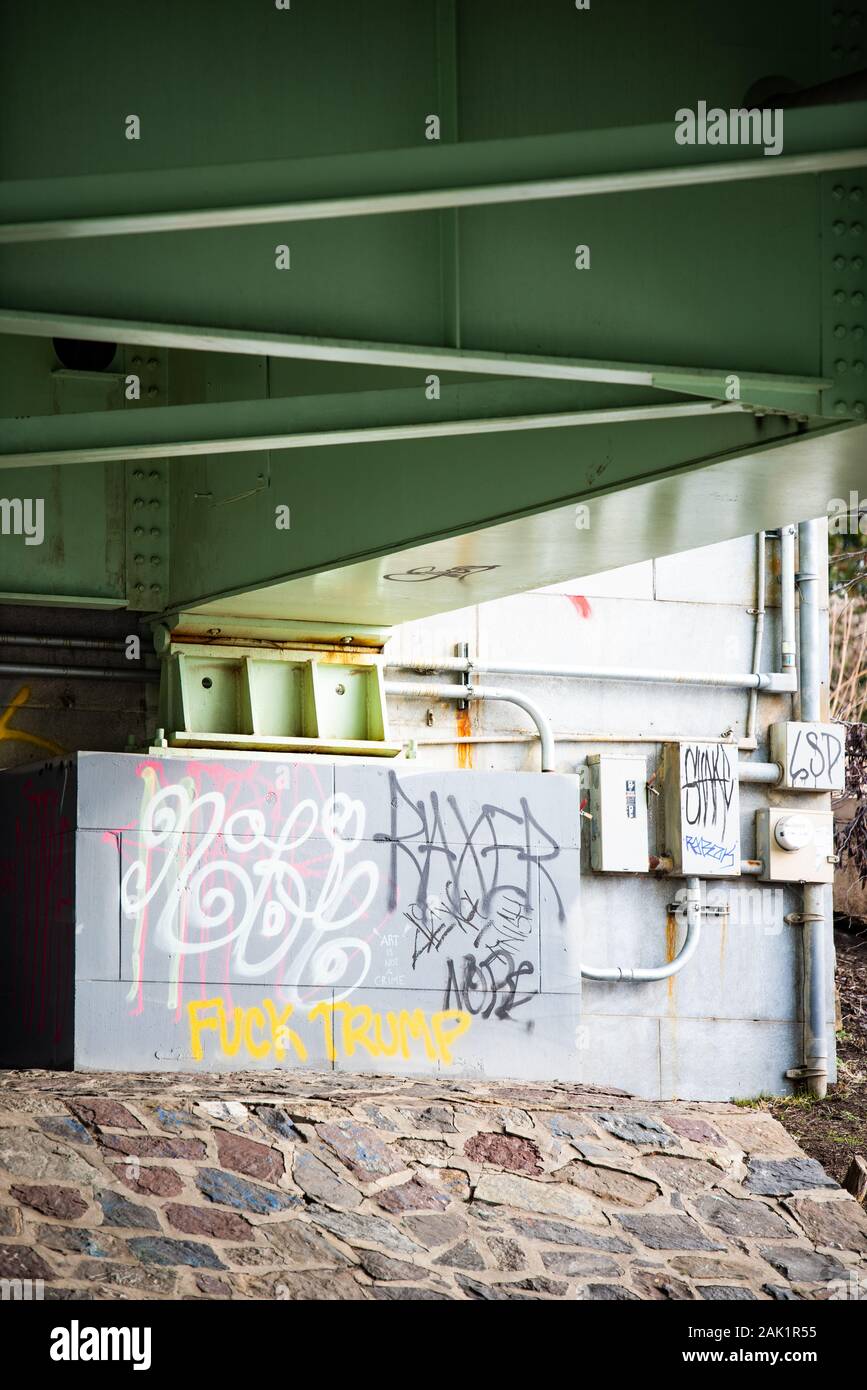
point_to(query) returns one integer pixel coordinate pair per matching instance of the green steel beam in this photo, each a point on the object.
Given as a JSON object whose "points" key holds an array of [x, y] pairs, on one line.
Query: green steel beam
{"points": [[247, 112], [679, 509], [371, 292], [475, 174], [60, 600], [799, 392], [317, 421], [371, 500]]}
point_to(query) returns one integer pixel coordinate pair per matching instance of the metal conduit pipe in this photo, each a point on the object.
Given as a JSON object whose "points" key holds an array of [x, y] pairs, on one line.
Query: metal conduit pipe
{"points": [[641, 975], [808, 588], [787, 599], [95, 673], [484, 692], [815, 1066], [96, 644], [599, 736], [752, 867], [761, 588], [772, 681], [664, 864], [769, 773]]}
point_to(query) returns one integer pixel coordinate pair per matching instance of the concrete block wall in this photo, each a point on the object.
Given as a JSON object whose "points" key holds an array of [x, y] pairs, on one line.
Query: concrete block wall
{"points": [[730, 1024], [219, 911], [225, 913]]}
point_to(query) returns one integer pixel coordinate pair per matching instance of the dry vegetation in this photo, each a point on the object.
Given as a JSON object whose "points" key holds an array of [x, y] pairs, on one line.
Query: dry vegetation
{"points": [[835, 1129]]}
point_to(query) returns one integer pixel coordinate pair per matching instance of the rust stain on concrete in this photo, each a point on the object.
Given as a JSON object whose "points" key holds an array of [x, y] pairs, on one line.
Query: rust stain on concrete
{"points": [[465, 729]]}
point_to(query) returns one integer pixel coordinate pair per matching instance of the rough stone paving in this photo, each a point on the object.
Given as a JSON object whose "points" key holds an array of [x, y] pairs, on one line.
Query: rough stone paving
{"points": [[303, 1187]]}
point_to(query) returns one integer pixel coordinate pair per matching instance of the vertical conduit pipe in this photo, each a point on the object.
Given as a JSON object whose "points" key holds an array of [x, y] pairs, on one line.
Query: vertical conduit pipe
{"points": [[813, 912], [787, 598], [761, 587]]}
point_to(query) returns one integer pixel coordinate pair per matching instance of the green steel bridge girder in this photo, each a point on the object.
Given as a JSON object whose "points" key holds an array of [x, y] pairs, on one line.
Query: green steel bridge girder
{"points": [[423, 178], [757, 273], [794, 475], [408, 258], [381, 532], [365, 417]]}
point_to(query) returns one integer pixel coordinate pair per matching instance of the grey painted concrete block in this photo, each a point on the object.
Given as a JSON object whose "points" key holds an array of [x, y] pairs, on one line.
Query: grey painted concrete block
{"points": [[561, 916], [621, 1052], [524, 810], [114, 789], [172, 913], [153, 1028], [97, 904], [726, 1059], [525, 1036], [220, 905]]}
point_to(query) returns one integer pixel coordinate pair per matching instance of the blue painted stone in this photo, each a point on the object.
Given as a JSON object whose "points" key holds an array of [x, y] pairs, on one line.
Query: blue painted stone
{"points": [[160, 1250], [567, 1126], [92, 1247], [117, 1211], [276, 1120], [65, 1127], [175, 1119], [360, 1149], [73, 1240], [235, 1191]]}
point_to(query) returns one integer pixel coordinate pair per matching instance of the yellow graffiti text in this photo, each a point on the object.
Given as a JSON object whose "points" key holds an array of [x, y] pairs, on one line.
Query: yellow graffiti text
{"points": [[260, 1032], [360, 1027], [8, 735], [251, 1030]]}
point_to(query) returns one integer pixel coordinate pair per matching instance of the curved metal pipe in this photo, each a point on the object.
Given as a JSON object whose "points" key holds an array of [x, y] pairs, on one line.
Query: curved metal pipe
{"points": [[641, 975], [485, 692]]}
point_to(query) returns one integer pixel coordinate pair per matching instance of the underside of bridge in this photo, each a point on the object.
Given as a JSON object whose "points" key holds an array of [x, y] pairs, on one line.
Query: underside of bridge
{"points": [[317, 317], [342, 314]]}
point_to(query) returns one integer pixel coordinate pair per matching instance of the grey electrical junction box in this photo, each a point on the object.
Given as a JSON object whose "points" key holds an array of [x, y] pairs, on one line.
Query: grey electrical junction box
{"points": [[812, 756], [795, 846], [618, 806]]}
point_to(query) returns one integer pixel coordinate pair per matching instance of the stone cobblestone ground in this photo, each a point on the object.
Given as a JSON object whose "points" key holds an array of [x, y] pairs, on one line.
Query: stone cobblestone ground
{"points": [[290, 1186]]}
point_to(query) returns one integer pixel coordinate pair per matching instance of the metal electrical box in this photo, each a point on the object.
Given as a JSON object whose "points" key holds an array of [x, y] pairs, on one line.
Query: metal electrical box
{"points": [[812, 756], [618, 807], [702, 808], [795, 846]]}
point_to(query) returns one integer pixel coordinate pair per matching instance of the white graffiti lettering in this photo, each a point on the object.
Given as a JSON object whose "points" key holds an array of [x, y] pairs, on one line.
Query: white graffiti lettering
{"points": [[219, 881]]}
